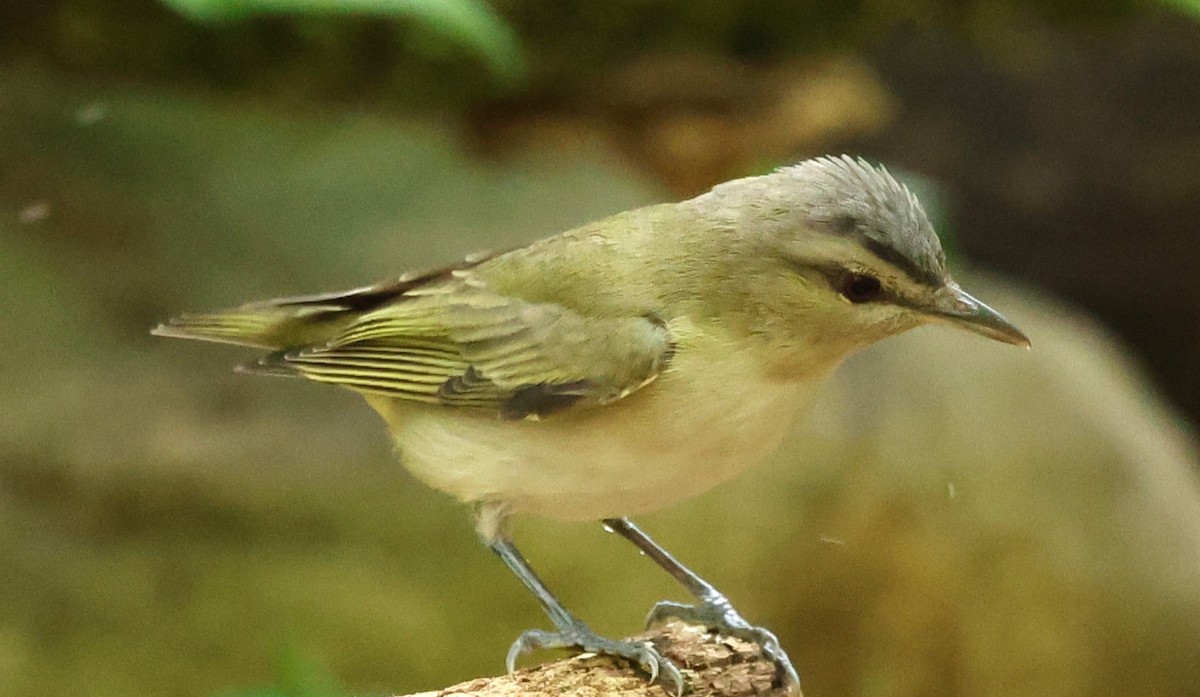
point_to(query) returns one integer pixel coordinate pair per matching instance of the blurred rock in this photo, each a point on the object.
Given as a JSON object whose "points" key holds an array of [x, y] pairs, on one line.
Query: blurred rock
{"points": [[963, 518]]}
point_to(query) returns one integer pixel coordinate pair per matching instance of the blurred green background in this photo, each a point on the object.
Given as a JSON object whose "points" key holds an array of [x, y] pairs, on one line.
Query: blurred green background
{"points": [[954, 519]]}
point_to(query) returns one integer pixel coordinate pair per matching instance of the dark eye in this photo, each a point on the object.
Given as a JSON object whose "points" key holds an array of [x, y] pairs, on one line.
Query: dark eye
{"points": [[860, 288]]}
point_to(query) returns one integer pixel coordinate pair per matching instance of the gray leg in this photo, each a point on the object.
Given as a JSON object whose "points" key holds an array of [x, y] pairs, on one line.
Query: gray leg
{"points": [[570, 632], [714, 609]]}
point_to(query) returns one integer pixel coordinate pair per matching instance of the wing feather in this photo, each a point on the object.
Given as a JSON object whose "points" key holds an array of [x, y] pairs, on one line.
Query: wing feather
{"points": [[459, 345]]}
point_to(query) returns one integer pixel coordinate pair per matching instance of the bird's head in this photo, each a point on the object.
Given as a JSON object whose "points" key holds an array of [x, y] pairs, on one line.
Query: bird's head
{"points": [[843, 255]]}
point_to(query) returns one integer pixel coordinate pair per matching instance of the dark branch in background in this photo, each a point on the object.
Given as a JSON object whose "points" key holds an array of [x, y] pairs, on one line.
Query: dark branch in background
{"points": [[714, 666]]}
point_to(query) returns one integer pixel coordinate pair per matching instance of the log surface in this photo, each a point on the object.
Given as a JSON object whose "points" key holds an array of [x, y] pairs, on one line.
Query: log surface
{"points": [[714, 666]]}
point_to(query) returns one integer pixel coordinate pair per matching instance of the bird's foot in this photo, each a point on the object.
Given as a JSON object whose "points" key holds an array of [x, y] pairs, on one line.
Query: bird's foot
{"points": [[718, 614], [579, 637]]}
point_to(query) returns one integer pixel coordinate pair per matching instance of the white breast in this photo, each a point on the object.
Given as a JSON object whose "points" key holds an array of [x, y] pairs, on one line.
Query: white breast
{"points": [[698, 425]]}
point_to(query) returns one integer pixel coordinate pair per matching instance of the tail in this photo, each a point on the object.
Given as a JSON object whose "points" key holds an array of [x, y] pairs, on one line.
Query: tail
{"points": [[228, 327], [273, 329], [286, 324], [277, 326]]}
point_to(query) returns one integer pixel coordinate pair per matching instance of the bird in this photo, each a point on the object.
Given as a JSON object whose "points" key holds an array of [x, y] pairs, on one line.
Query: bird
{"points": [[624, 365]]}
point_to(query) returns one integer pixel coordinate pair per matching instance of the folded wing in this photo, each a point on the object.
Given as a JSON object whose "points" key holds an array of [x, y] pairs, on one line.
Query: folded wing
{"points": [[460, 345]]}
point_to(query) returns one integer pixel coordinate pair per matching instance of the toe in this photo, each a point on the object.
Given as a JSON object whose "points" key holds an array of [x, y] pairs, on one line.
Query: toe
{"points": [[643, 655], [519, 647], [530, 640], [767, 641], [718, 615], [667, 610]]}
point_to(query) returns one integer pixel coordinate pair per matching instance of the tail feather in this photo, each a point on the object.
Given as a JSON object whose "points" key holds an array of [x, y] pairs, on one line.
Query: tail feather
{"points": [[306, 320], [280, 323], [242, 329], [262, 325]]}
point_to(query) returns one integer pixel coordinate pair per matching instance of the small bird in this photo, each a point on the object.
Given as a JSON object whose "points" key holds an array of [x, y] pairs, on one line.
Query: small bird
{"points": [[627, 364]]}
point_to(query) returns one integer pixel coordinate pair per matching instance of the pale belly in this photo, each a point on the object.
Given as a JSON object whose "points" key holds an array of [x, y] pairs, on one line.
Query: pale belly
{"points": [[670, 441]]}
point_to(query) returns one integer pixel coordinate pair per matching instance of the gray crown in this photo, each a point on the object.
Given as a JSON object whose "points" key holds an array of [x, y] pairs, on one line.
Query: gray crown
{"points": [[852, 197]]}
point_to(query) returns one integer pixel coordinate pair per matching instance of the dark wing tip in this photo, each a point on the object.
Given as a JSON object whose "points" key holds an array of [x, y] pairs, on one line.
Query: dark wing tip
{"points": [[524, 402], [538, 401]]}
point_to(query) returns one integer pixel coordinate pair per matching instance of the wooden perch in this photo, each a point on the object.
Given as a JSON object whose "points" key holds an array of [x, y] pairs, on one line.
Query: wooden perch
{"points": [[714, 666]]}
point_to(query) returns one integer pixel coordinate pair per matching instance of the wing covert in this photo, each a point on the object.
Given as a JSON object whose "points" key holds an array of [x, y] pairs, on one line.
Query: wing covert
{"points": [[462, 346]]}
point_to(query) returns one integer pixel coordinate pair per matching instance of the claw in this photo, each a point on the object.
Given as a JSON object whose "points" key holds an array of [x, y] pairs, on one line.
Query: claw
{"points": [[514, 652], [659, 668], [717, 614], [650, 665], [671, 673]]}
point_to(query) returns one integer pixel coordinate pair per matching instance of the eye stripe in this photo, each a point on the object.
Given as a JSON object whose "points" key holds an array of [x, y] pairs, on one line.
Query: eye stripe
{"points": [[901, 262]]}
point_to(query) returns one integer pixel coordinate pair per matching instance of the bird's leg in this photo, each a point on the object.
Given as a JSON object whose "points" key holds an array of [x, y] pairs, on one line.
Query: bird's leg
{"points": [[571, 632], [714, 609]]}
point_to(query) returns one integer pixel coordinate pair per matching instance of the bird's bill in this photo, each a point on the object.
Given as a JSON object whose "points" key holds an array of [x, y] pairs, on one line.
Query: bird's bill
{"points": [[953, 305]]}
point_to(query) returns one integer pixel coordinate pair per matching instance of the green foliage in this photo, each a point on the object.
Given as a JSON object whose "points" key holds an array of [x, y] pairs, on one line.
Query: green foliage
{"points": [[470, 23], [298, 676], [1191, 7], [435, 54]]}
